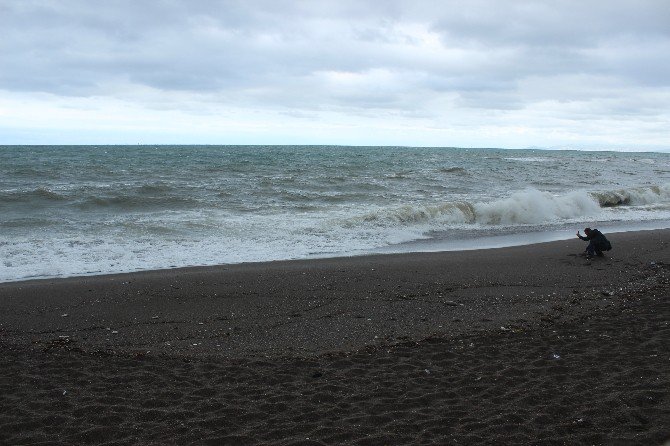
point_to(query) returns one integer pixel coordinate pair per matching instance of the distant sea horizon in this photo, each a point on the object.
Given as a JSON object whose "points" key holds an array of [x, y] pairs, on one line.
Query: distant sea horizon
{"points": [[595, 148]]}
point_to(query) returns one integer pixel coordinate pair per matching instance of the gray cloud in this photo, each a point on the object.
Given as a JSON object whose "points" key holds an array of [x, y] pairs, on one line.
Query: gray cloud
{"points": [[351, 55]]}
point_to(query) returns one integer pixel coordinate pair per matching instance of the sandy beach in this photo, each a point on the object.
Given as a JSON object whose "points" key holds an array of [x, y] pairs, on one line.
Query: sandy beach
{"points": [[523, 345]]}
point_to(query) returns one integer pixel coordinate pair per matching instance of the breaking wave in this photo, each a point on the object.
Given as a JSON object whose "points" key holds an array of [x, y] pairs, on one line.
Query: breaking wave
{"points": [[635, 197], [457, 212], [526, 207], [535, 207]]}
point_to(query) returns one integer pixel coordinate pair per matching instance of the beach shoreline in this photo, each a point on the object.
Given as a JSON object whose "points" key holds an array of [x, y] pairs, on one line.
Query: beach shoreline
{"points": [[471, 243], [422, 348]]}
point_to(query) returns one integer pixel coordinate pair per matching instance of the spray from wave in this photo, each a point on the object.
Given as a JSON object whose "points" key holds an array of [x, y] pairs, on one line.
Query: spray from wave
{"points": [[536, 207]]}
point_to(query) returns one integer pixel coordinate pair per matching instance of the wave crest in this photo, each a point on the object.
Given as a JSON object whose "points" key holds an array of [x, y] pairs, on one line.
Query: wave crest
{"points": [[636, 196], [135, 202], [454, 212], [526, 207], [535, 207], [26, 196], [454, 170]]}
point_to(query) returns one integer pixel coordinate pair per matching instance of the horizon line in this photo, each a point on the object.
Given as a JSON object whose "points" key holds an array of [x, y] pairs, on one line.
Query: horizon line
{"points": [[564, 149]]}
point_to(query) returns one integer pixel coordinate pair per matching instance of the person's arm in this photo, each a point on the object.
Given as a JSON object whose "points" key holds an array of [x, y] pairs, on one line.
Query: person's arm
{"points": [[582, 238]]}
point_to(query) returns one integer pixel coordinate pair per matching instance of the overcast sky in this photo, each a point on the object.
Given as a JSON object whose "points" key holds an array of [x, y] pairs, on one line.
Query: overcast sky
{"points": [[578, 74]]}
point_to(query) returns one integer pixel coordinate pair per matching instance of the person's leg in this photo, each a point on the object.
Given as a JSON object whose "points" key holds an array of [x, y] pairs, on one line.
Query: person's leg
{"points": [[590, 250]]}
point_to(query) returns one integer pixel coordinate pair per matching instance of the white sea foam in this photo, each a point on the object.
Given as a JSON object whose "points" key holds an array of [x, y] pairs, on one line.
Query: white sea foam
{"points": [[535, 207], [453, 212], [530, 159]]}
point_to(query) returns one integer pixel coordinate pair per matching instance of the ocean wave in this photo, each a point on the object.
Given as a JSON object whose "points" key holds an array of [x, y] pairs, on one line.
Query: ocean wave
{"points": [[149, 196], [135, 202], [456, 212], [526, 207], [454, 170], [535, 207], [153, 188], [400, 175], [27, 196], [636, 196]]}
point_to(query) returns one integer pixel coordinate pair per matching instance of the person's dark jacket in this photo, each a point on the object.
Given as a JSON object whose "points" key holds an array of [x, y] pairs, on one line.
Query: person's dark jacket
{"points": [[600, 242]]}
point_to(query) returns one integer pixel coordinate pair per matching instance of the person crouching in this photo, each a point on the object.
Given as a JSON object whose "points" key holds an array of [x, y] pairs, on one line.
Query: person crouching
{"points": [[597, 242]]}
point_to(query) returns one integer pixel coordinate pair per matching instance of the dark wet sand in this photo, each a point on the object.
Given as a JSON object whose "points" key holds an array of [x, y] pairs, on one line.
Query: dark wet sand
{"points": [[522, 345]]}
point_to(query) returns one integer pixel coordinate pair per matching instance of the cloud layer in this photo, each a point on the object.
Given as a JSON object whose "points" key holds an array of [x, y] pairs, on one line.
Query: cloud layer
{"points": [[355, 72]]}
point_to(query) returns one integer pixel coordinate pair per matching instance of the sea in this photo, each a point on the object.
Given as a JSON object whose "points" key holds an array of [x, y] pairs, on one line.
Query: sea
{"points": [[84, 210]]}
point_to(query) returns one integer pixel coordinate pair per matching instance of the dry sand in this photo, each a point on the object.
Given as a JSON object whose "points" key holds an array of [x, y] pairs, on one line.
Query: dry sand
{"points": [[522, 345]]}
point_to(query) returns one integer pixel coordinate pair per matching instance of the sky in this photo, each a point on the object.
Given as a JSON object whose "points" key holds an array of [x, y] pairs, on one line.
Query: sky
{"points": [[554, 74]]}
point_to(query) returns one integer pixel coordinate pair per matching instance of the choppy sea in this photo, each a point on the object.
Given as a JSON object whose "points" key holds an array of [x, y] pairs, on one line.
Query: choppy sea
{"points": [[79, 210]]}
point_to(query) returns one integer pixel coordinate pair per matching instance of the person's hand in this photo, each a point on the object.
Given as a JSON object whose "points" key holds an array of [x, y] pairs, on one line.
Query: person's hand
{"points": [[577, 233]]}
